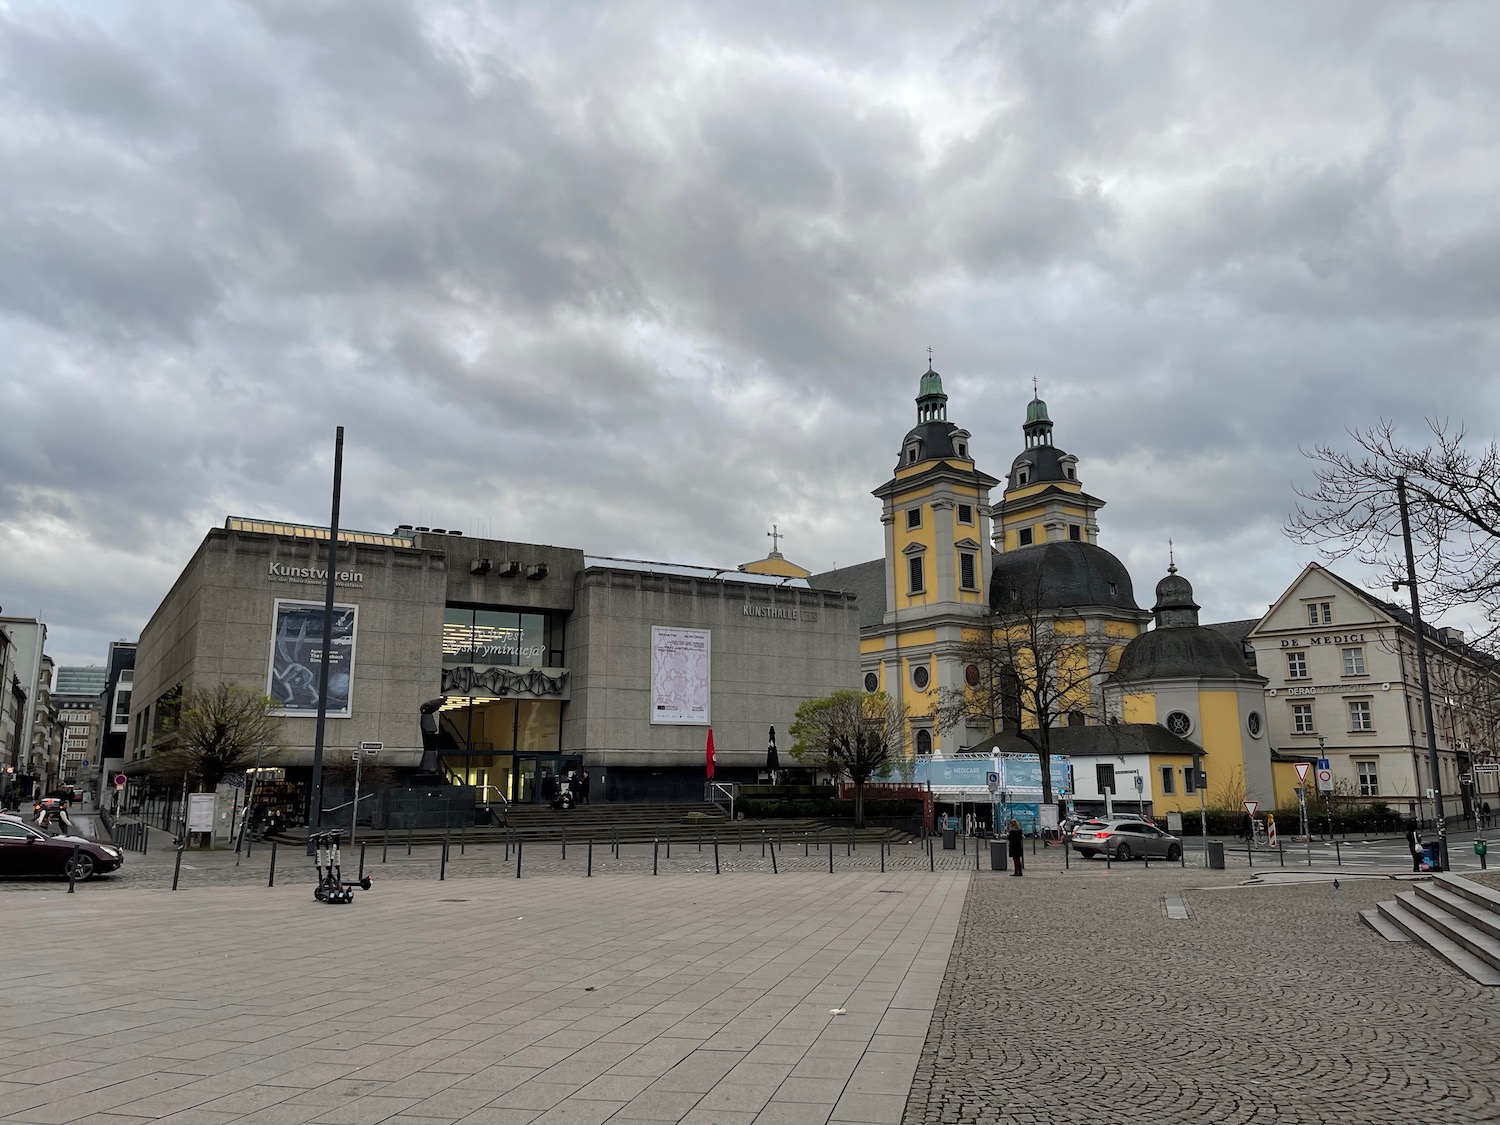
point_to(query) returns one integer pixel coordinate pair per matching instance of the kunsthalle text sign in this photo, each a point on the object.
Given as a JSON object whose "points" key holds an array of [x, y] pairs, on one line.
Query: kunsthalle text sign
{"points": [[680, 676], [297, 658]]}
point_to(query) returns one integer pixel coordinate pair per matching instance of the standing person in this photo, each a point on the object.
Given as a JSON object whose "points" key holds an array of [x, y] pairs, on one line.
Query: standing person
{"points": [[1414, 843], [1015, 846], [583, 787], [1484, 814]]}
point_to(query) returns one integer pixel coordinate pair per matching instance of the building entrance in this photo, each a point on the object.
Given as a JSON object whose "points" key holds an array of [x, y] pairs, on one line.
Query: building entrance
{"points": [[518, 779]]}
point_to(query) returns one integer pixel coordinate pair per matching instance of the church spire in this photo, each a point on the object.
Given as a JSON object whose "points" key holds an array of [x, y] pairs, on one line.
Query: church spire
{"points": [[932, 403], [1038, 427]]}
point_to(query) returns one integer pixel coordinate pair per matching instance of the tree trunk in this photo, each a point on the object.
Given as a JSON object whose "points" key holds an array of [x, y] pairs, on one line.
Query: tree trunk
{"points": [[1045, 755]]}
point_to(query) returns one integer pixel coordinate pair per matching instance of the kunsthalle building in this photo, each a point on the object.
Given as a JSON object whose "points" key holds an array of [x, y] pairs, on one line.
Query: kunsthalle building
{"points": [[546, 660]]}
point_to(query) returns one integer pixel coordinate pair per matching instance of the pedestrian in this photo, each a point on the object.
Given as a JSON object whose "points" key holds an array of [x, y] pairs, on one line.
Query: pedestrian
{"points": [[1484, 814], [584, 787], [1015, 841], [1414, 842]]}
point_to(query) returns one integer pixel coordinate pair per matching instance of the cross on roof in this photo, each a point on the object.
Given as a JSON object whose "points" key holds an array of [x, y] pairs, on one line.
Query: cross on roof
{"points": [[776, 538]]}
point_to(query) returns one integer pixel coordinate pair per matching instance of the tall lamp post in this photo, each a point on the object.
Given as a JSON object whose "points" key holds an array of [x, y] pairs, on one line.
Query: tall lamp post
{"points": [[1416, 616]]}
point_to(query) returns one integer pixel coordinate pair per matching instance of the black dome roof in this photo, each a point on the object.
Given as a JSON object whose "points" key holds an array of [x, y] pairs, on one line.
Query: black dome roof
{"points": [[1046, 462], [936, 438], [1186, 651], [1057, 574]]}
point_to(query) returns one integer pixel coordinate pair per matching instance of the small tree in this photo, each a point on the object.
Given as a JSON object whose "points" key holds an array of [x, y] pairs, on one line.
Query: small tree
{"points": [[850, 734], [216, 732]]}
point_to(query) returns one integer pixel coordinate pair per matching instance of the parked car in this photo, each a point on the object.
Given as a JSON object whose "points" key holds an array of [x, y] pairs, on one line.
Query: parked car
{"points": [[26, 852], [1125, 839]]}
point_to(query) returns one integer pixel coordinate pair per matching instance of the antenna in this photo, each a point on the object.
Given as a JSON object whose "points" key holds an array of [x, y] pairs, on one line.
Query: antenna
{"points": [[1171, 558]]}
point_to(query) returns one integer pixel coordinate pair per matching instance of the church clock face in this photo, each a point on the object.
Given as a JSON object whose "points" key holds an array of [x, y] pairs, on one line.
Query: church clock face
{"points": [[1179, 723]]}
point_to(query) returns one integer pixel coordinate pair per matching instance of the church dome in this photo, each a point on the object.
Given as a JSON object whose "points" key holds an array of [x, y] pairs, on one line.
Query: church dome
{"points": [[1183, 652], [1060, 574], [1036, 411]]}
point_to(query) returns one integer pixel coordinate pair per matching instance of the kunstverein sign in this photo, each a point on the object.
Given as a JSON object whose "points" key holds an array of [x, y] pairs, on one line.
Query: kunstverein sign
{"points": [[297, 658], [286, 572], [679, 676]]}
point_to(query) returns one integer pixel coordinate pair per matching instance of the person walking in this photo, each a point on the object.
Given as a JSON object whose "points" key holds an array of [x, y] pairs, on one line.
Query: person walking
{"points": [[1414, 843], [1484, 814], [1015, 846]]}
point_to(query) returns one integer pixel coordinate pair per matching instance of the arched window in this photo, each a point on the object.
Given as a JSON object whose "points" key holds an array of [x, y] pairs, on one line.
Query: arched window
{"points": [[924, 742]]}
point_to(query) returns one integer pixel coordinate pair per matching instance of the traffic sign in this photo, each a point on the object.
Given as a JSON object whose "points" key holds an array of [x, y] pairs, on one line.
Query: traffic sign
{"points": [[372, 746], [1251, 806], [1302, 768], [992, 779], [1140, 783], [1324, 764], [120, 780], [1325, 780]]}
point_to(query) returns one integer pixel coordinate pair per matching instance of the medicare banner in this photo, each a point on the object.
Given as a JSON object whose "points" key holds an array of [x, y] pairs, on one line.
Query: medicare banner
{"points": [[1019, 773]]}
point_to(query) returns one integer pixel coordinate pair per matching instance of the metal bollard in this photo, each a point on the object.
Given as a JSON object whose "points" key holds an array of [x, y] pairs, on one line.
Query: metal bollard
{"points": [[519, 842], [1249, 854], [361, 860], [271, 882], [443, 863], [976, 855], [1108, 863], [1145, 855], [830, 858], [1181, 855], [700, 837], [1338, 852], [931, 856], [1067, 860], [588, 872], [408, 841], [73, 869], [762, 843], [882, 856], [716, 853], [804, 844], [177, 869], [740, 837], [1280, 847], [669, 845], [653, 855], [774, 869], [463, 839], [565, 843], [385, 844]]}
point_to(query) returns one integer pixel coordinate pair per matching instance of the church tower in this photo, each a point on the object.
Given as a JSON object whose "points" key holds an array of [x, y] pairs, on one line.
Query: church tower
{"points": [[1044, 501]]}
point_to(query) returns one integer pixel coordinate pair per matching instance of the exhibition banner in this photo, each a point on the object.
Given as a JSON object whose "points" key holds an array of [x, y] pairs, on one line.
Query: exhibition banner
{"points": [[679, 676], [297, 657]]}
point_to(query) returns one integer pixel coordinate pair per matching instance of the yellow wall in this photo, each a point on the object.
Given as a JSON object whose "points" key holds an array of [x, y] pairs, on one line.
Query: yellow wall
{"points": [[1179, 801], [924, 536], [1219, 720], [1284, 782], [1140, 708]]}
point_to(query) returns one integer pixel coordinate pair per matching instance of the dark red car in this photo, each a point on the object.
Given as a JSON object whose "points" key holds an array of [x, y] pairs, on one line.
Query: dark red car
{"points": [[26, 852]]}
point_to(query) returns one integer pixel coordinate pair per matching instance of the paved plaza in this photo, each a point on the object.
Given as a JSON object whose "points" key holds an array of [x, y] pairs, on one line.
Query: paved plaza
{"points": [[773, 999]]}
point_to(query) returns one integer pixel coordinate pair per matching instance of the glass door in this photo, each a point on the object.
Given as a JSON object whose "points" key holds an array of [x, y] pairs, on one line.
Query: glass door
{"points": [[526, 787]]}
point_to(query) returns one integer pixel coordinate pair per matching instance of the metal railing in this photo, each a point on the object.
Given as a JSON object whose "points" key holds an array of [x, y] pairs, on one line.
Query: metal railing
{"points": [[722, 793]]}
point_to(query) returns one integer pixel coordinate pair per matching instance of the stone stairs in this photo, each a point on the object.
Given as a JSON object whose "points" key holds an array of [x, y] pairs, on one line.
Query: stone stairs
{"points": [[1457, 919]]}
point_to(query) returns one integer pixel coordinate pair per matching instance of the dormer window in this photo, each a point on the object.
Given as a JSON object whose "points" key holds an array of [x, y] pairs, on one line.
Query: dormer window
{"points": [[912, 453], [1068, 472], [963, 449], [1022, 476]]}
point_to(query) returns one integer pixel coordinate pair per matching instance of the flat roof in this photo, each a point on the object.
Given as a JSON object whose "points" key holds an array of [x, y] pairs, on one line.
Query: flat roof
{"points": [[312, 531]]}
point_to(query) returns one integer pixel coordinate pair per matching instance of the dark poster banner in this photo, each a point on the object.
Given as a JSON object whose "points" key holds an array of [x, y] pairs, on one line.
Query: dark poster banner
{"points": [[296, 657]]}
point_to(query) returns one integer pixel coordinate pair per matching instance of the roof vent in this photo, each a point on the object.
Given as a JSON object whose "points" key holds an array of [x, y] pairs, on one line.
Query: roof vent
{"points": [[422, 529], [510, 568], [403, 527], [480, 566], [536, 570], [455, 533], [440, 531]]}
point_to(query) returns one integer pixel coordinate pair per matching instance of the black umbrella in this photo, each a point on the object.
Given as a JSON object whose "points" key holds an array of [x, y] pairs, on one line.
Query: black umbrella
{"points": [[773, 760]]}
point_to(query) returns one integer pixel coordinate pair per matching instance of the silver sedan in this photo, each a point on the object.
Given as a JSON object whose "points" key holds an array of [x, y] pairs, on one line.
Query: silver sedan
{"points": [[1125, 839]]}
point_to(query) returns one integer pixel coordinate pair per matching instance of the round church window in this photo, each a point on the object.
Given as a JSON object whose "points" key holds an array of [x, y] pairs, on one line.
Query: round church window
{"points": [[872, 681], [971, 675], [1179, 723], [920, 677], [1252, 724]]}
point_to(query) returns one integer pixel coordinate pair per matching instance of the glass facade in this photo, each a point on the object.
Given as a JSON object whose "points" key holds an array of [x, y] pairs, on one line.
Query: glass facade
{"points": [[500, 637]]}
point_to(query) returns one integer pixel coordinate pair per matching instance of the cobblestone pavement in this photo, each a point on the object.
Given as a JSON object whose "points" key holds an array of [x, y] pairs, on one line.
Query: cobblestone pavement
{"points": [[1072, 997]]}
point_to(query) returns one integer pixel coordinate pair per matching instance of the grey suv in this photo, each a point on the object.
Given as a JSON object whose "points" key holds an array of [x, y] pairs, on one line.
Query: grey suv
{"points": [[1125, 839]]}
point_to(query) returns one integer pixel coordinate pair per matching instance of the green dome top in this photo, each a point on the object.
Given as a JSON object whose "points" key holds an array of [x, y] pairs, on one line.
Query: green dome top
{"points": [[932, 383], [1036, 411]]}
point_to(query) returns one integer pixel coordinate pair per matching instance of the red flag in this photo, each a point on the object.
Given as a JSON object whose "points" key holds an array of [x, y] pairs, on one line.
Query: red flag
{"points": [[710, 753]]}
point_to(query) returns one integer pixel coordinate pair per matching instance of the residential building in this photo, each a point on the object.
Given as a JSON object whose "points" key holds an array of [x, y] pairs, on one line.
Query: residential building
{"points": [[76, 698]]}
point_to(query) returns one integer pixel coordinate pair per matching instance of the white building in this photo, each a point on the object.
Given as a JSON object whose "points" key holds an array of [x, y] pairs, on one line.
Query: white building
{"points": [[1342, 681]]}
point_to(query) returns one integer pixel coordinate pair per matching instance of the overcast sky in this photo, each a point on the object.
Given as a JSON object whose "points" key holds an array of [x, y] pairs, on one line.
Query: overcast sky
{"points": [[643, 278]]}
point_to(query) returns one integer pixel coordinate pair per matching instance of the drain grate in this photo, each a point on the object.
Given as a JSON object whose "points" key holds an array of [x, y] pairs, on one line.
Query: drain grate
{"points": [[453, 900]]}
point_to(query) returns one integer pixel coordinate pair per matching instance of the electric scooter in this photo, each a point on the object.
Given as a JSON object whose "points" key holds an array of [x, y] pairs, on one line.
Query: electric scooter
{"points": [[331, 887]]}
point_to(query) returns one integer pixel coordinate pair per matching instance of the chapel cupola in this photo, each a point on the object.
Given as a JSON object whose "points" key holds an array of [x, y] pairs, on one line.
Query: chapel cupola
{"points": [[932, 403], [1038, 427], [1175, 608]]}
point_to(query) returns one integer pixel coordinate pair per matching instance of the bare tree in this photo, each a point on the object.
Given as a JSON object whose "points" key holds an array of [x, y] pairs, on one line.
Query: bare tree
{"points": [[1037, 668], [853, 734], [215, 732], [1454, 498]]}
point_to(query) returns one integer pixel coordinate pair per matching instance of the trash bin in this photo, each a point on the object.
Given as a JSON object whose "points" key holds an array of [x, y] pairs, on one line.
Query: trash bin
{"points": [[998, 857], [1216, 855], [950, 839], [1432, 855]]}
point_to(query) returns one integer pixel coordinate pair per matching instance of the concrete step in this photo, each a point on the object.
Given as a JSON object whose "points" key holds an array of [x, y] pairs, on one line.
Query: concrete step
{"points": [[1377, 922], [1473, 940], [1482, 918], [1481, 972], [1474, 892]]}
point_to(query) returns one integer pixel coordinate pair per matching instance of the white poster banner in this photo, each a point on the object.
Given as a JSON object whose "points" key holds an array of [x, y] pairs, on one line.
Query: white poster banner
{"points": [[679, 676], [200, 812]]}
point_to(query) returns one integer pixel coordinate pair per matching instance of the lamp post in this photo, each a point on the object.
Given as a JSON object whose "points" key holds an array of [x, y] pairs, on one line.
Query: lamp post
{"points": [[1416, 618]]}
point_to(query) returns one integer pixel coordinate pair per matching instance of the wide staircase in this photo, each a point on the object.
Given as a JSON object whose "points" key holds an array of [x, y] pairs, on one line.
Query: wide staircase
{"points": [[1457, 919], [633, 824]]}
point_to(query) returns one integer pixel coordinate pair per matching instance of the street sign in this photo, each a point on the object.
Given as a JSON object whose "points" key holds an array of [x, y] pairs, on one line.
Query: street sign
{"points": [[1251, 806], [120, 780], [1140, 783], [1325, 780], [992, 779], [1302, 768], [372, 745]]}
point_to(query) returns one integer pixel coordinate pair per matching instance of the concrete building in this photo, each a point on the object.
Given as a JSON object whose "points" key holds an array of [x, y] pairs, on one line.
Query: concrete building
{"points": [[34, 726], [75, 696], [114, 710], [1343, 683], [546, 660]]}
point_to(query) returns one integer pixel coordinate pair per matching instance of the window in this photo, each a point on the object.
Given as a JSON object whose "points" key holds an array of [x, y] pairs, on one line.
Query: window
{"points": [[1302, 718], [1179, 723], [971, 675], [1253, 724], [1068, 471], [913, 518], [1022, 476], [920, 677], [1076, 719], [1359, 715], [1189, 780], [1296, 665], [924, 742], [1024, 536], [872, 681], [963, 449], [911, 455], [1168, 780], [1075, 533], [914, 575], [966, 578], [1354, 662], [1369, 778], [1104, 775], [966, 513], [1320, 613]]}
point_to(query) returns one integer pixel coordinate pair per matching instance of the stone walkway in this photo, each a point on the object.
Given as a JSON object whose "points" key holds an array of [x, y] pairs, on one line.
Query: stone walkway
{"points": [[489, 1001]]}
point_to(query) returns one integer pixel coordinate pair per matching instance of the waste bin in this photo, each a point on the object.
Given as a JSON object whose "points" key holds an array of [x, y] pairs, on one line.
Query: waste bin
{"points": [[1216, 855], [1432, 855], [950, 839], [998, 857]]}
